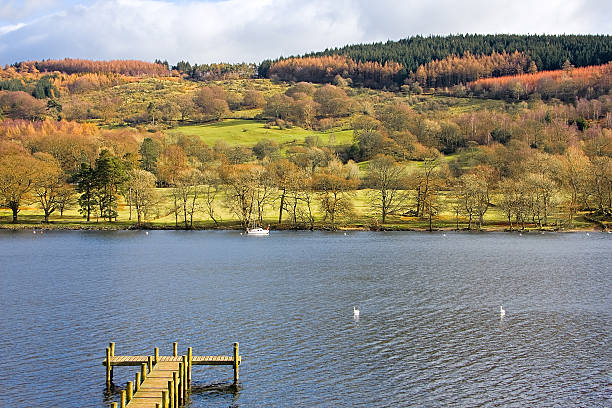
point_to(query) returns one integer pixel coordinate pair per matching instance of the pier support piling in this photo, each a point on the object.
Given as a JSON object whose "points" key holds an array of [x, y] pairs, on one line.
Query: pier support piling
{"points": [[108, 369], [130, 391], [170, 394], [236, 363], [190, 361], [165, 399]]}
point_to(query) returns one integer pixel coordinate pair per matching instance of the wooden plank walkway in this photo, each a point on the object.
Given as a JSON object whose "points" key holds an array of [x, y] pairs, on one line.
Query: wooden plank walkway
{"points": [[159, 388], [163, 381]]}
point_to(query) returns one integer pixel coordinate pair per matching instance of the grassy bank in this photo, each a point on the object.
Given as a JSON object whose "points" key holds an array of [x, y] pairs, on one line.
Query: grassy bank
{"points": [[363, 217]]}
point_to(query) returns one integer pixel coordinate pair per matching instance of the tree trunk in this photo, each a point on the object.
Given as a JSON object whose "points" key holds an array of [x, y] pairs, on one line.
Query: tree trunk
{"points": [[384, 207], [280, 211], [15, 208], [175, 213]]}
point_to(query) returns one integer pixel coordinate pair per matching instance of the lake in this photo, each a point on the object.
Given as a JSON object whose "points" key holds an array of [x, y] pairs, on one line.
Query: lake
{"points": [[429, 334]]}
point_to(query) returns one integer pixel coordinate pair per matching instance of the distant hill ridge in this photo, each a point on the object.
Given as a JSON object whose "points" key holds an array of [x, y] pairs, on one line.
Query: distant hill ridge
{"points": [[548, 52]]}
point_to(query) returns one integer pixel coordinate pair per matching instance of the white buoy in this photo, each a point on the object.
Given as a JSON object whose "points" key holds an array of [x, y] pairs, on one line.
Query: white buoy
{"points": [[502, 312], [355, 312], [33, 231], [146, 232]]}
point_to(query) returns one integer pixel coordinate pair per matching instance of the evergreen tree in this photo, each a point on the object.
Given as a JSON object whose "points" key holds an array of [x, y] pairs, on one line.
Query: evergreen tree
{"points": [[109, 174], [86, 185]]}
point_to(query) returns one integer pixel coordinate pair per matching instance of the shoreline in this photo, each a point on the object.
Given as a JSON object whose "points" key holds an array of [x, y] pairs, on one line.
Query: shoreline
{"points": [[375, 228]]}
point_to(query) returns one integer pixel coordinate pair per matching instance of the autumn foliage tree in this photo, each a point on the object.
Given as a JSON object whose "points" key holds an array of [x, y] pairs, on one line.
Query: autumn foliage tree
{"points": [[17, 176]]}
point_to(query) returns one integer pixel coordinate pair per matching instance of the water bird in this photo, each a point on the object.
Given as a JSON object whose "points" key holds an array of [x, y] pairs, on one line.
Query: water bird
{"points": [[33, 231], [146, 232], [345, 234], [502, 312], [588, 235], [355, 312]]}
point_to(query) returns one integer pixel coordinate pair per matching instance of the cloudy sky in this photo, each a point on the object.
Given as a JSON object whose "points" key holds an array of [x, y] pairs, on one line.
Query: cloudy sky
{"points": [[252, 30]]}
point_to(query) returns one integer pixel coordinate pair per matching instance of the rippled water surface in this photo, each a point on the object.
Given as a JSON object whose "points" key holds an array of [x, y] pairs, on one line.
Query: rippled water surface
{"points": [[429, 334]]}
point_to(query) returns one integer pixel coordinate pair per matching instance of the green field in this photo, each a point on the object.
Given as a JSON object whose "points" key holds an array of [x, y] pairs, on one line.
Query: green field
{"points": [[249, 132]]}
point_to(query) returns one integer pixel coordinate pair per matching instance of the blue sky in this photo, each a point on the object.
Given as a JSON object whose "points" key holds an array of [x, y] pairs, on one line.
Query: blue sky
{"points": [[253, 30]]}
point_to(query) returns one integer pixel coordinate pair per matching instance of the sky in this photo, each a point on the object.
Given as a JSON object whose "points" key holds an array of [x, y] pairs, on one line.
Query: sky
{"points": [[208, 31]]}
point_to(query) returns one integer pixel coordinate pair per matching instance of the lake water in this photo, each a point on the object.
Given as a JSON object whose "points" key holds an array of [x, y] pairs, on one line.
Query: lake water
{"points": [[430, 333]]}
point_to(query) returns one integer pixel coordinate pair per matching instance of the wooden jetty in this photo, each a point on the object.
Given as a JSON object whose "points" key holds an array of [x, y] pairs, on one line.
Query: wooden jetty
{"points": [[163, 381]]}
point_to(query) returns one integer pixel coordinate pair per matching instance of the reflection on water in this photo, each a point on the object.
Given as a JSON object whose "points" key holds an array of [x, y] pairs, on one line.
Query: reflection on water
{"points": [[429, 332]]}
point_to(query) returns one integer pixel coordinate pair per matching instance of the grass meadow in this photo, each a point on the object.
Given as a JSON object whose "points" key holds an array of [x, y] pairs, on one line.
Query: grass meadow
{"points": [[363, 217]]}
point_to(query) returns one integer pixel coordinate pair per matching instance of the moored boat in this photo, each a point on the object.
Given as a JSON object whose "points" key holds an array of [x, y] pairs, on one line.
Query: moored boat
{"points": [[258, 231]]}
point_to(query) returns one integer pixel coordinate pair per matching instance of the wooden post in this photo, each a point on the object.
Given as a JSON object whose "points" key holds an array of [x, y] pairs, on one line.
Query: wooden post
{"points": [[156, 405], [111, 345], [156, 355], [150, 363], [108, 368], [189, 362], [175, 349], [165, 399], [122, 399], [236, 363], [184, 380], [113, 405], [170, 394], [130, 391], [175, 388], [179, 386], [137, 382], [143, 371]]}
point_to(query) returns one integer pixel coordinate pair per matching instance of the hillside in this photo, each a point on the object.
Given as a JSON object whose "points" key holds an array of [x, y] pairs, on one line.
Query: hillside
{"points": [[173, 152]]}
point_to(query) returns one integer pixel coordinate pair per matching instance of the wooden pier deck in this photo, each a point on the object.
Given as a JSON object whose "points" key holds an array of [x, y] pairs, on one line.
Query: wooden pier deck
{"points": [[163, 381]]}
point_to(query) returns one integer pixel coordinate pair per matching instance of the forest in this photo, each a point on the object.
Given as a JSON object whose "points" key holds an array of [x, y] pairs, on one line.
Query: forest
{"points": [[325, 142], [457, 59]]}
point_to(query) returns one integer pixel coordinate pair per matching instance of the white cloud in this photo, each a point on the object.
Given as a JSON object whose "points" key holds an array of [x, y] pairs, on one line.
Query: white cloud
{"points": [[243, 30], [11, 27]]}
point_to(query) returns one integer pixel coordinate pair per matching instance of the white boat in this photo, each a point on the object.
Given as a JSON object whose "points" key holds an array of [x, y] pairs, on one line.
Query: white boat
{"points": [[258, 231]]}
